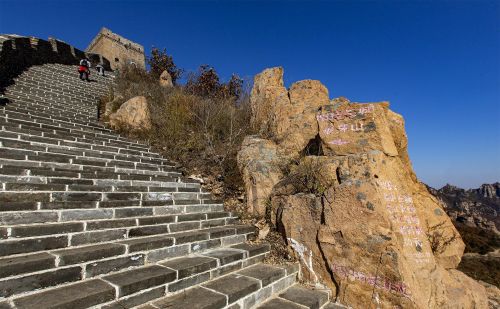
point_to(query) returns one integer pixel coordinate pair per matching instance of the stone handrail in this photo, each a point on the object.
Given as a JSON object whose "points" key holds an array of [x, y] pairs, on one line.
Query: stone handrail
{"points": [[17, 53]]}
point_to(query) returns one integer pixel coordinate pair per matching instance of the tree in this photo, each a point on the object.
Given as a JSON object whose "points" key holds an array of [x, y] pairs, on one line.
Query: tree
{"points": [[160, 61], [205, 82]]}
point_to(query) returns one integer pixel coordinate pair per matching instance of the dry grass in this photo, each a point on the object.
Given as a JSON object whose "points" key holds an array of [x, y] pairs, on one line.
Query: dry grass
{"points": [[202, 133]]}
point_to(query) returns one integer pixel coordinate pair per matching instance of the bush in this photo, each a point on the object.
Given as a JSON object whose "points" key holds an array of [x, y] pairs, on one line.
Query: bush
{"points": [[306, 176], [159, 61], [438, 238], [201, 125], [206, 83]]}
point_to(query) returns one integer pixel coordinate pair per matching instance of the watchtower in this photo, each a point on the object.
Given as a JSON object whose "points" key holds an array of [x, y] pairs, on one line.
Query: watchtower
{"points": [[117, 49]]}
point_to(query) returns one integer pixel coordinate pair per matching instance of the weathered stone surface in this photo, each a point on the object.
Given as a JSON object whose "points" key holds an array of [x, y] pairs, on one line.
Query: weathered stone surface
{"points": [[286, 116], [350, 205], [253, 249], [296, 125], [136, 300], [133, 114], [189, 282], [226, 256], [348, 128], [278, 303], [193, 298], [37, 281], [267, 274], [166, 80], [309, 298], [88, 253], [258, 164], [268, 91], [134, 280], [234, 286], [102, 267], [80, 295], [189, 266], [10, 266], [9, 247]]}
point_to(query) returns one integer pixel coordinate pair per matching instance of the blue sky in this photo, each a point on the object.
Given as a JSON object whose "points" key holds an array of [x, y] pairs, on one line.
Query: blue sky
{"points": [[437, 62]]}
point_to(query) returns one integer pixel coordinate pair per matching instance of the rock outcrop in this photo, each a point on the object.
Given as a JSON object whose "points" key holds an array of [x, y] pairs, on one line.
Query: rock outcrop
{"points": [[133, 114], [166, 80], [348, 201], [474, 207], [260, 171]]}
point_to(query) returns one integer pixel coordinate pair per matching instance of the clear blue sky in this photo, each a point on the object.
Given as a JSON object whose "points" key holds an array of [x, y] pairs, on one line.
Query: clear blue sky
{"points": [[437, 62]]}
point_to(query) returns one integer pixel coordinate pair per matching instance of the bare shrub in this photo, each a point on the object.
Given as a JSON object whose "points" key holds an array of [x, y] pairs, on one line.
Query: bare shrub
{"points": [[203, 133], [201, 125], [305, 176], [438, 238]]}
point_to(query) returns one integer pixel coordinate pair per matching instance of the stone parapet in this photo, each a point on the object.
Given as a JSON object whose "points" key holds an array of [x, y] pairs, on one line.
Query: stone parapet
{"points": [[17, 53]]}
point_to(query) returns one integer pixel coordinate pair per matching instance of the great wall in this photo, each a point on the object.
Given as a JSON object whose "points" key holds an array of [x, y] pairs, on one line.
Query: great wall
{"points": [[92, 219]]}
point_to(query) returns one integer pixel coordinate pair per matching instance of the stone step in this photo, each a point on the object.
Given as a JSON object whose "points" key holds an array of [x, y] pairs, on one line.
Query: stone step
{"points": [[62, 75], [55, 185], [67, 133], [54, 127], [46, 98], [53, 145], [77, 141], [72, 141], [40, 175], [69, 174], [136, 222], [99, 259], [65, 75], [45, 91], [66, 210], [138, 236], [132, 287], [240, 289], [15, 213], [50, 116], [18, 107], [12, 156], [52, 194], [41, 84], [75, 128], [52, 105], [85, 111]]}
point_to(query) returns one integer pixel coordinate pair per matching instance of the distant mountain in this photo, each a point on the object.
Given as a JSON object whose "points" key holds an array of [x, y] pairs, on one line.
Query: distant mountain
{"points": [[475, 215], [474, 207]]}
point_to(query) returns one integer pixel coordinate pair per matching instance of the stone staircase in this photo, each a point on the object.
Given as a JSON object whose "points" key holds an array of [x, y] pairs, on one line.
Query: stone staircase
{"points": [[90, 219]]}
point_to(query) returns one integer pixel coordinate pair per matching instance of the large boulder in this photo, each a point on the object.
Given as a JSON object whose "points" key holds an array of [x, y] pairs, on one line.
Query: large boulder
{"points": [[286, 116], [268, 91], [258, 163], [354, 213], [132, 115], [166, 80]]}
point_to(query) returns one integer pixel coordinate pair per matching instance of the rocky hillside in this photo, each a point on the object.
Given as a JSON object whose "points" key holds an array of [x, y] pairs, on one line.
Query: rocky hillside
{"points": [[335, 179], [474, 207]]}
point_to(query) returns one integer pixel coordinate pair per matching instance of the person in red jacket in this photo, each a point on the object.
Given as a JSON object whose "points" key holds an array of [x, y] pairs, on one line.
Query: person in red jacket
{"points": [[84, 69]]}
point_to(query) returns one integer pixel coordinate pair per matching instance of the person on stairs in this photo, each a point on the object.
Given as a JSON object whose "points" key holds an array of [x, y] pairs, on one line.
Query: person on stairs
{"points": [[100, 69], [84, 69]]}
